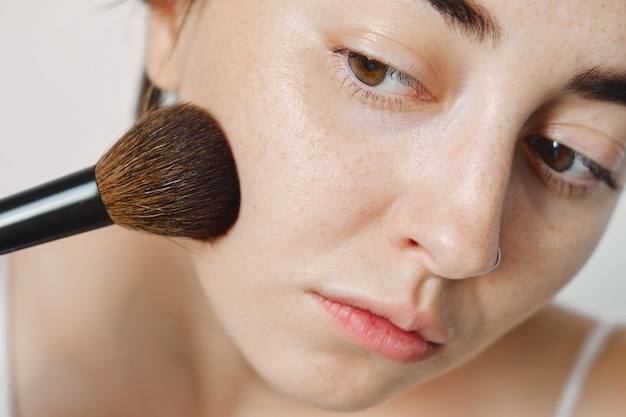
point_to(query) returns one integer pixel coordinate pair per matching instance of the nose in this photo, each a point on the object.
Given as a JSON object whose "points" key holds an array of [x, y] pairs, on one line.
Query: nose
{"points": [[449, 213]]}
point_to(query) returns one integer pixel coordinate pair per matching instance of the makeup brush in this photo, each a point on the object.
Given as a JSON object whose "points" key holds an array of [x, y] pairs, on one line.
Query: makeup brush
{"points": [[171, 174]]}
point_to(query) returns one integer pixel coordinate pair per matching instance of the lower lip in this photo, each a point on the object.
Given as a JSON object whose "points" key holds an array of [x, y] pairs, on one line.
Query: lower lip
{"points": [[377, 334]]}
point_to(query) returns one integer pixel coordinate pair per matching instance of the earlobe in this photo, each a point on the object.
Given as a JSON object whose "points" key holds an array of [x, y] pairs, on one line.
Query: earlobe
{"points": [[162, 56]]}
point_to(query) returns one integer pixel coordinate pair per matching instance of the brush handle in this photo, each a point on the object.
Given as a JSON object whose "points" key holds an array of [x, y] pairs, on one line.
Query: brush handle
{"points": [[60, 208]]}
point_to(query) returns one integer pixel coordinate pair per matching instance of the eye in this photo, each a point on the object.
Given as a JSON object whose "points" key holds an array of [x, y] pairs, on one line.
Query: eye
{"points": [[379, 84], [367, 70], [565, 169], [558, 157], [374, 73]]}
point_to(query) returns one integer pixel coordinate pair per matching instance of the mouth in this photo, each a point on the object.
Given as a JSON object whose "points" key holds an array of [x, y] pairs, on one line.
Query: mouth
{"points": [[369, 329]]}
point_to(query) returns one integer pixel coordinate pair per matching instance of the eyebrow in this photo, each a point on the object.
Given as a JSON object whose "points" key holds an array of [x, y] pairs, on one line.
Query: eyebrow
{"points": [[469, 18], [476, 22], [600, 85]]}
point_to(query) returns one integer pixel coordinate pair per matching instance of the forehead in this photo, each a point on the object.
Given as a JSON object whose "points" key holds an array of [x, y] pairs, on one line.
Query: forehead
{"points": [[567, 20], [575, 35], [571, 35], [579, 21]]}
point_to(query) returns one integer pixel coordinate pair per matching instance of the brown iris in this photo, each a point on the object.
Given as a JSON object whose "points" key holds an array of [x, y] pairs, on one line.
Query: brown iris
{"points": [[558, 157], [367, 70]]}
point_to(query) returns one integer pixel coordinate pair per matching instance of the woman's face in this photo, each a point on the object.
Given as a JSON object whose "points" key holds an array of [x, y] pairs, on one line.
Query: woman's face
{"points": [[386, 150]]}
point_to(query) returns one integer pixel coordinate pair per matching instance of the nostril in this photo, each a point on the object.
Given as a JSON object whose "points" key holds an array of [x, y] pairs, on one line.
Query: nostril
{"points": [[468, 268], [413, 243]]}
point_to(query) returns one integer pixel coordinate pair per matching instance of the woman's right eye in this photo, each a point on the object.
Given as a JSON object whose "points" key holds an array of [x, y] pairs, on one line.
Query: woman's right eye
{"points": [[367, 70], [379, 84]]}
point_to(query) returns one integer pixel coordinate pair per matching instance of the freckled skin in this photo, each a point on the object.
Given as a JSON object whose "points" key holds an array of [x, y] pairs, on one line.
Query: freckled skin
{"points": [[404, 206]]}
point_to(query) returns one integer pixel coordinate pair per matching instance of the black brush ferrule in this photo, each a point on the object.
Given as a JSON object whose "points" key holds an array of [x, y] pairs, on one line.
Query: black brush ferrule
{"points": [[57, 209]]}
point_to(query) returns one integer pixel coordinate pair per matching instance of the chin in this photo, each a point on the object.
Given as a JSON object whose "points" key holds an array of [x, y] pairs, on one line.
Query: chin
{"points": [[340, 385], [348, 399]]}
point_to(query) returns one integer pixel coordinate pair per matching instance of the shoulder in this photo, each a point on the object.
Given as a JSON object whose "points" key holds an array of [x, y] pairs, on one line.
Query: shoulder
{"points": [[568, 340], [605, 390], [82, 308]]}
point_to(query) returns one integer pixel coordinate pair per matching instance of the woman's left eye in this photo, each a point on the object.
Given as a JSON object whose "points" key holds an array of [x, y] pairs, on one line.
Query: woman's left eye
{"points": [[565, 169], [380, 83]]}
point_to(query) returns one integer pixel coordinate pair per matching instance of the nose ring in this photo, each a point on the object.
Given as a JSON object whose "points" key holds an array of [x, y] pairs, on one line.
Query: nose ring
{"points": [[497, 262]]}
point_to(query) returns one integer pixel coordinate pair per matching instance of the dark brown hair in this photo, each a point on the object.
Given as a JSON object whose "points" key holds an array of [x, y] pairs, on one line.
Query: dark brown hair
{"points": [[150, 96]]}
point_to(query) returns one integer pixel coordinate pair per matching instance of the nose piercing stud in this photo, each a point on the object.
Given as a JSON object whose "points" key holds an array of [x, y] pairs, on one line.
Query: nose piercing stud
{"points": [[497, 262]]}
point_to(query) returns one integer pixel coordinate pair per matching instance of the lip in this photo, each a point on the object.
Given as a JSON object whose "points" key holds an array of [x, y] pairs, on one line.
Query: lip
{"points": [[410, 338]]}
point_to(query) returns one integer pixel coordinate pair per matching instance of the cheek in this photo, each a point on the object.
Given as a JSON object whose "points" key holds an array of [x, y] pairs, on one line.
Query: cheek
{"points": [[543, 247], [307, 187], [310, 177], [562, 232], [308, 181]]}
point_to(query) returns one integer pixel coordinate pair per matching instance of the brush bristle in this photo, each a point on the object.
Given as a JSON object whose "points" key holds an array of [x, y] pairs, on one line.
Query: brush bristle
{"points": [[172, 174]]}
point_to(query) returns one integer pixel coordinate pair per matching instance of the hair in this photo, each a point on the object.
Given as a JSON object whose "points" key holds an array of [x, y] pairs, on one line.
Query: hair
{"points": [[150, 96]]}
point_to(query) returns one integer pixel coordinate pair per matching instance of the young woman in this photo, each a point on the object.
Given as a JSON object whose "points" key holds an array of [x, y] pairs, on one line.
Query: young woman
{"points": [[418, 179]]}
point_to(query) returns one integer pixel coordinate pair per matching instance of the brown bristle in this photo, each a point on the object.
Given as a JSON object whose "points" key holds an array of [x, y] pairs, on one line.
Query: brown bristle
{"points": [[172, 174]]}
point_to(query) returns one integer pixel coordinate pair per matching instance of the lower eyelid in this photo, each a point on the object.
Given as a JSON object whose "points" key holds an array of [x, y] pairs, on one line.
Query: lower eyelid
{"points": [[370, 97], [555, 183]]}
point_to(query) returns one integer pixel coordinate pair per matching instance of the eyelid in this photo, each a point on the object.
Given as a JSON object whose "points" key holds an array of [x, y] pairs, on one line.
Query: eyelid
{"points": [[395, 54], [575, 180], [590, 143], [407, 81]]}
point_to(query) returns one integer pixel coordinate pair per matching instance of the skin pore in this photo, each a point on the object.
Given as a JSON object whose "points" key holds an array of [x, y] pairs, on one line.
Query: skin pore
{"points": [[386, 151]]}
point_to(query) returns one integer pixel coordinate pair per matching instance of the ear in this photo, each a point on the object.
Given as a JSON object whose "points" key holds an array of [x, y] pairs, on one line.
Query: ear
{"points": [[162, 55]]}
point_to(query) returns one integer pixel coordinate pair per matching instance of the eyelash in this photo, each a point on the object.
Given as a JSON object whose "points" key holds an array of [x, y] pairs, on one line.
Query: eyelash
{"points": [[371, 95], [555, 179]]}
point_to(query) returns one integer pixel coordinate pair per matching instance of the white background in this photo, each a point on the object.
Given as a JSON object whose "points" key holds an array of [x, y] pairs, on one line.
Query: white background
{"points": [[69, 71]]}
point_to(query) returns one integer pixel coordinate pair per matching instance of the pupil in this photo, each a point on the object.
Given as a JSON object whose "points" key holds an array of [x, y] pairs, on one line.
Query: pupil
{"points": [[558, 157], [370, 65], [367, 70]]}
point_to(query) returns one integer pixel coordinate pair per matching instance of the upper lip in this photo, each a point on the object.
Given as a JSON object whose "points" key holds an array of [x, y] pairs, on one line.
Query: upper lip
{"points": [[403, 315]]}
